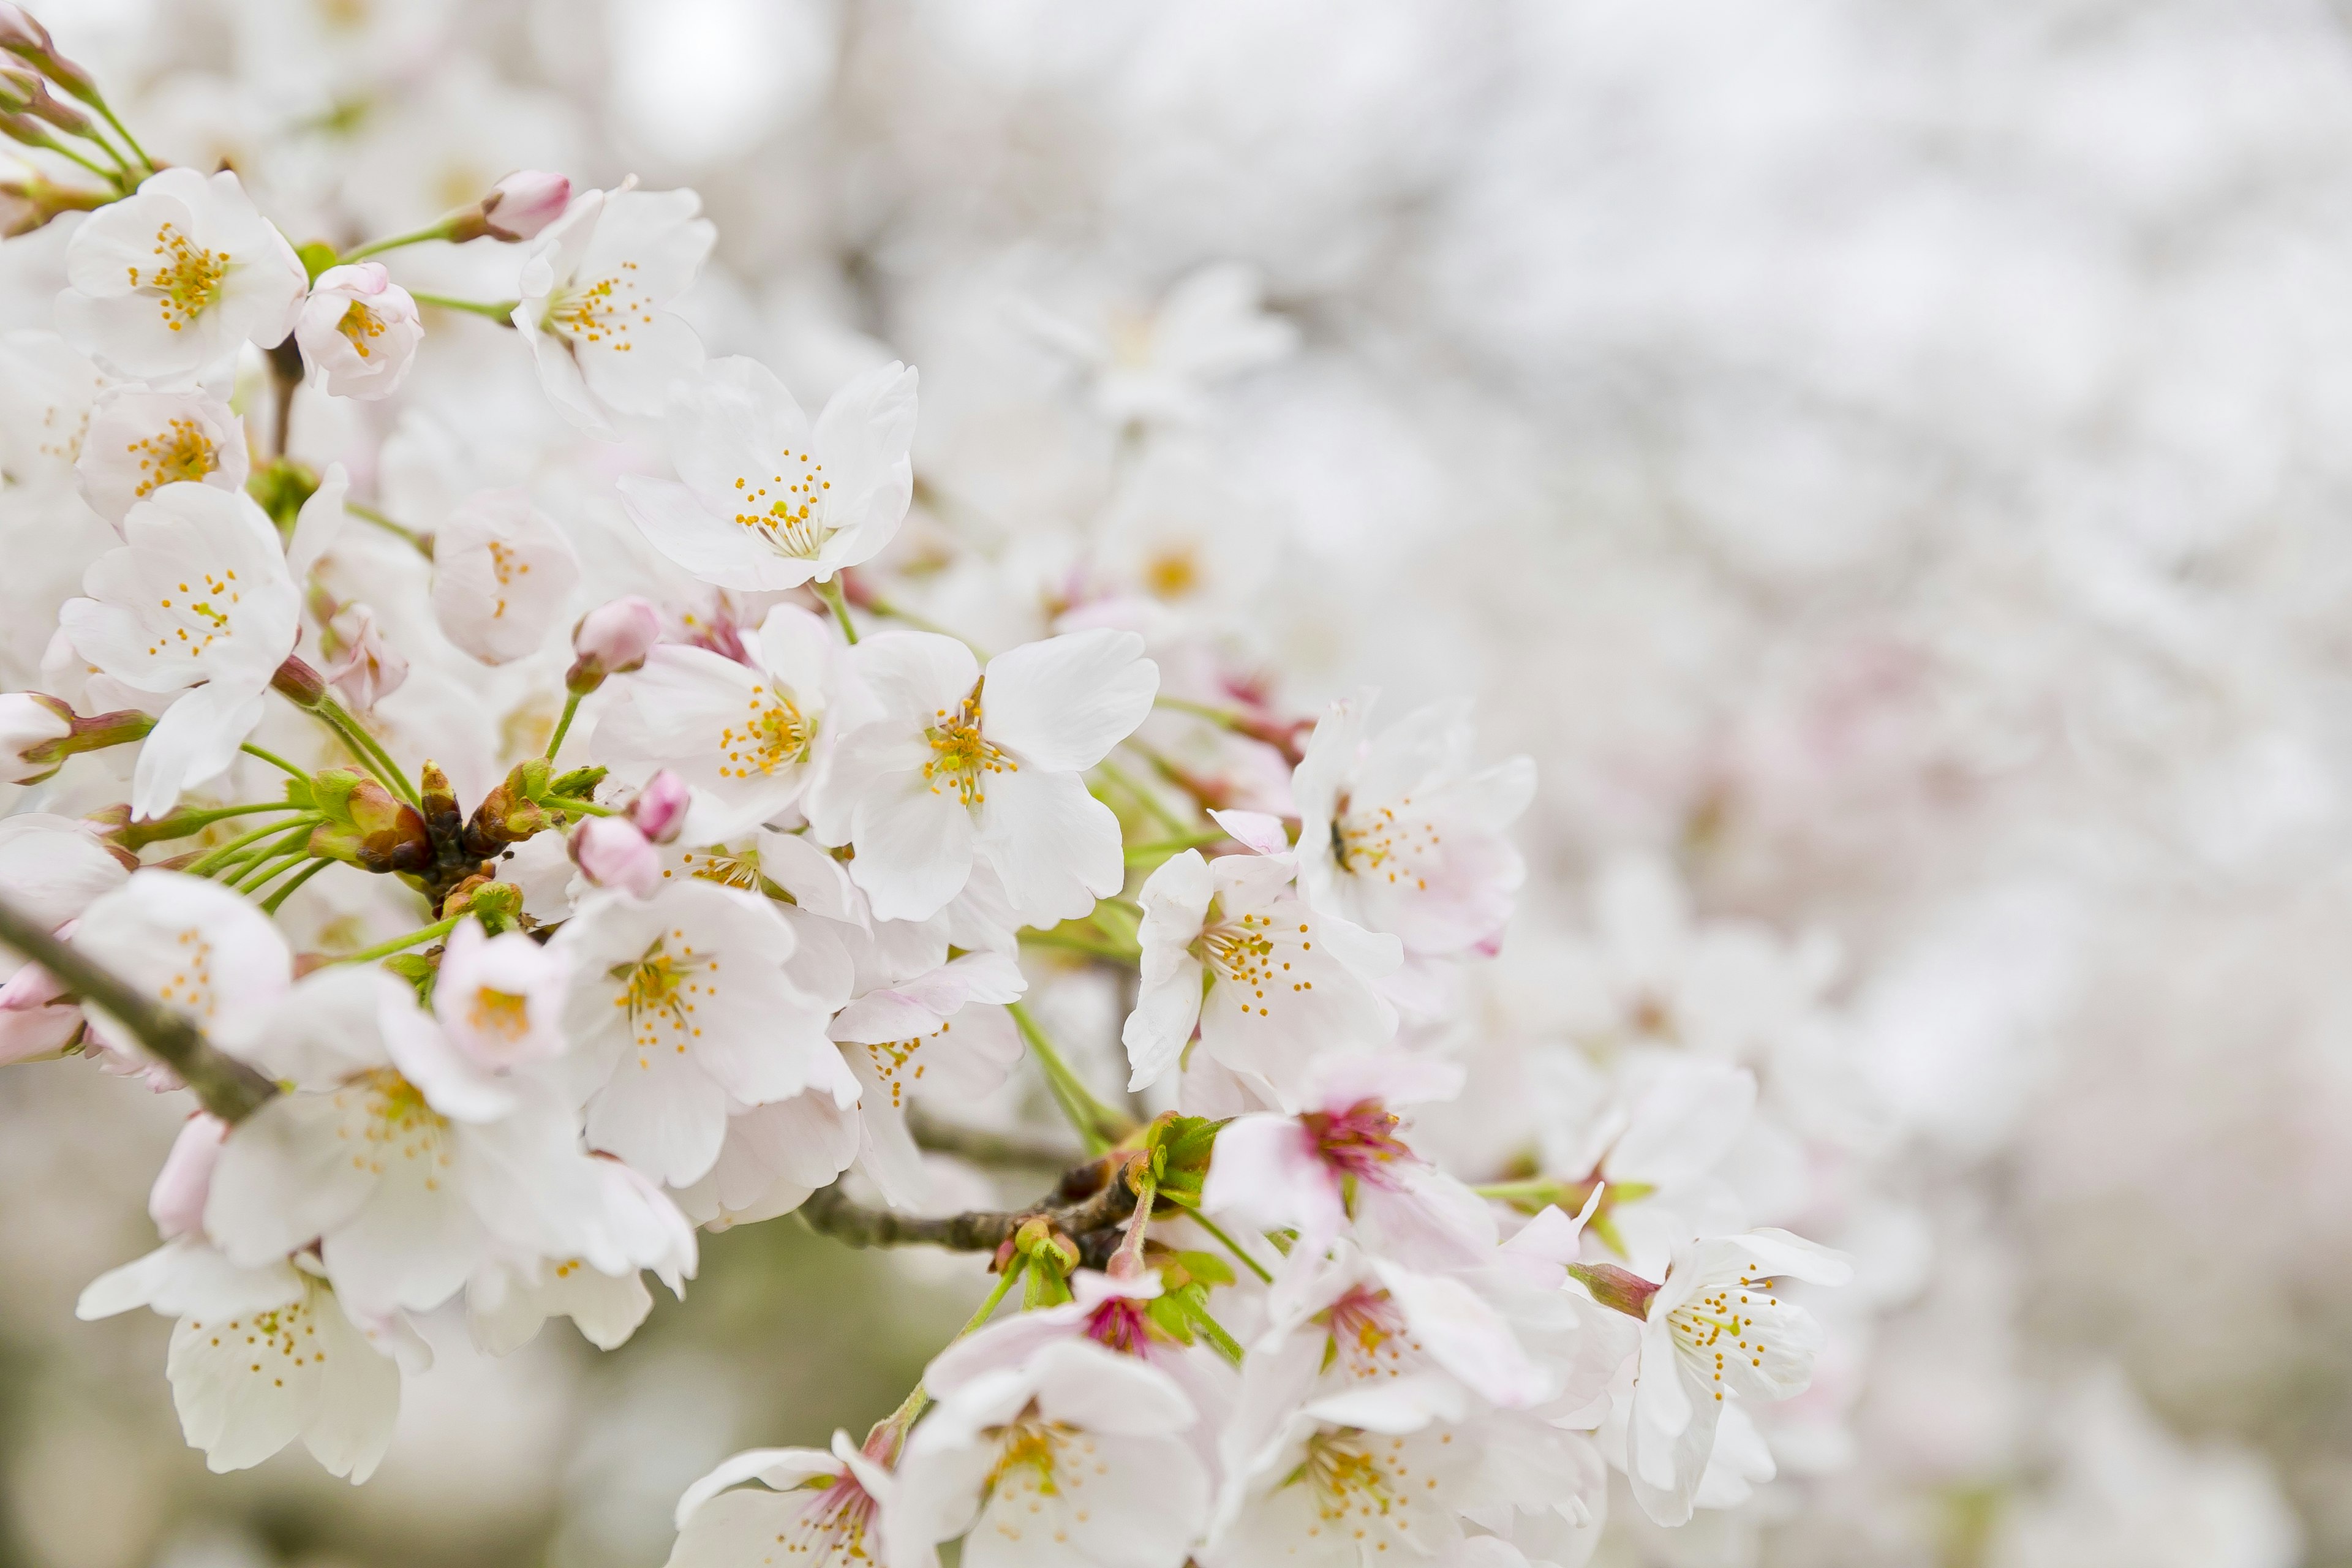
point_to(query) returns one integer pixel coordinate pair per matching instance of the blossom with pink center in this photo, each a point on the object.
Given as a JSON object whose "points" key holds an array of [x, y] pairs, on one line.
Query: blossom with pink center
{"points": [[822, 1509], [1342, 1163]]}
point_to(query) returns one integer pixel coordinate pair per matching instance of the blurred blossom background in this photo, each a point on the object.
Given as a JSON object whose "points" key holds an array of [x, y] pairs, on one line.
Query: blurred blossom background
{"points": [[1887, 461]]}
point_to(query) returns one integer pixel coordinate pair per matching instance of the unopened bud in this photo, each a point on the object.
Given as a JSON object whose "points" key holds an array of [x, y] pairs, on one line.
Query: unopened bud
{"points": [[497, 905], [177, 1203], [659, 810], [612, 639], [29, 92], [1615, 1288], [367, 825], [21, 35], [523, 203], [612, 853], [298, 683]]}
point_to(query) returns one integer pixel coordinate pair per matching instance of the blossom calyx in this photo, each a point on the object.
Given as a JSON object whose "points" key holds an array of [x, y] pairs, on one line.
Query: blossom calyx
{"points": [[1615, 1288], [367, 825], [497, 905], [510, 813], [38, 732], [1178, 1149]]}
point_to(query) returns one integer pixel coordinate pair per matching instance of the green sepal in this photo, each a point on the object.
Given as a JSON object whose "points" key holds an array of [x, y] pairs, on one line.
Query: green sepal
{"points": [[1168, 1315], [316, 257]]}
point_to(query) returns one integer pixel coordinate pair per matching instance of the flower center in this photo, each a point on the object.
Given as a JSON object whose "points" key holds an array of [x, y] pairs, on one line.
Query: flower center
{"points": [[728, 868], [1361, 1482], [200, 620], [1381, 844], [179, 453], [1027, 1462], [1368, 1337], [396, 1121], [788, 509], [186, 280], [660, 991], [833, 1529], [601, 312], [961, 755], [272, 1342], [361, 326], [1360, 1142], [1124, 1324], [895, 1062], [1242, 953], [1172, 573], [190, 988], [507, 565], [503, 1014], [1720, 1322], [776, 735]]}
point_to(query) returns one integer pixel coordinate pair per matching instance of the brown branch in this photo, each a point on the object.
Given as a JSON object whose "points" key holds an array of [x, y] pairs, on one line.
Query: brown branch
{"points": [[834, 1213], [227, 1087], [983, 1147]]}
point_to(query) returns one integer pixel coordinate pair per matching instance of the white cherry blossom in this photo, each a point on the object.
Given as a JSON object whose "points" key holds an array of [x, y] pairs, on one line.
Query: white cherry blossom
{"points": [[823, 1509], [964, 761], [1400, 834], [197, 601], [168, 284], [1270, 981], [502, 574], [596, 292], [683, 1011], [139, 441], [190, 944], [761, 499], [1076, 1456], [749, 737]]}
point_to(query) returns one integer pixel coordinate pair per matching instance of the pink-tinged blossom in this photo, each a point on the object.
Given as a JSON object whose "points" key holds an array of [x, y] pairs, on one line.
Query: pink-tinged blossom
{"points": [[502, 574], [1343, 1161], [168, 284], [359, 331], [1270, 981], [176, 1202], [1399, 831], [30, 726], [824, 1509], [499, 999], [191, 946], [762, 499], [963, 762], [367, 668], [659, 811]]}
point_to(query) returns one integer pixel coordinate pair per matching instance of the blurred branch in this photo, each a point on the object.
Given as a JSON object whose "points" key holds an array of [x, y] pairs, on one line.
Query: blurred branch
{"points": [[834, 1213], [227, 1088], [983, 1147]]}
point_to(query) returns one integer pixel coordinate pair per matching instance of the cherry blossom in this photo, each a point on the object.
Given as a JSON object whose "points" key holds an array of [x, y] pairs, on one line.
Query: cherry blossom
{"points": [[359, 331], [139, 441], [501, 576], [966, 761], [168, 284], [197, 601], [765, 500], [596, 292], [821, 1506], [1271, 982]]}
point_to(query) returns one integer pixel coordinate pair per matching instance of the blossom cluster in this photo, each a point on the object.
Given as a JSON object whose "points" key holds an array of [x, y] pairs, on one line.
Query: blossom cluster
{"points": [[520, 864]]}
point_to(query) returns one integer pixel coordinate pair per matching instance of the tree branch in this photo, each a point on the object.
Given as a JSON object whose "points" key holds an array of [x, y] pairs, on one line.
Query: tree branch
{"points": [[227, 1087], [983, 1147], [834, 1213]]}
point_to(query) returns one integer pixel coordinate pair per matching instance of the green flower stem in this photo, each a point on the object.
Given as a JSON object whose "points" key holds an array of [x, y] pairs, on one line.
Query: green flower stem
{"points": [[1230, 1245], [830, 591], [902, 1420], [1161, 849], [274, 760], [1143, 797], [285, 889], [574, 804], [371, 755], [268, 865], [1127, 1263], [1109, 953], [106, 112], [562, 725], [180, 824], [889, 611], [423, 542], [1211, 1329], [499, 310], [403, 943], [222, 855], [439, 230], [1099, 1126], [1223, 718]]}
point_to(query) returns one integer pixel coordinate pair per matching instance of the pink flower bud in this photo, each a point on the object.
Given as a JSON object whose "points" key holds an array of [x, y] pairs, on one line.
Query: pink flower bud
{"points": [[177, 1203], [31, 725], [525, 202], [20, 34], [612, 639], [659, 810], [612, 853]]}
